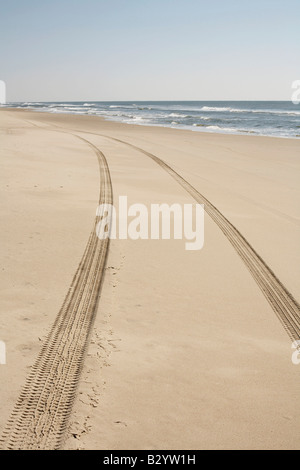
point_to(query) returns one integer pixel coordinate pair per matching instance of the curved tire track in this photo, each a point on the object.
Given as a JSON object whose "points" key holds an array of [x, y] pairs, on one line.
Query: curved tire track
{"points": [[280, 299], [41, 413], [282, 302]]}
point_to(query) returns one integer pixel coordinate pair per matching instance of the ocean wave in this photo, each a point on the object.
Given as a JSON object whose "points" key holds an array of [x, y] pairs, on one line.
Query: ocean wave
{"points": [[255, 111], [178, 115], [137, 118], [212, 108], [56, 110], [223, 129], [118, 106], [71, 108], [227, 109], [59, 105], [273, 118], [266, 111]]}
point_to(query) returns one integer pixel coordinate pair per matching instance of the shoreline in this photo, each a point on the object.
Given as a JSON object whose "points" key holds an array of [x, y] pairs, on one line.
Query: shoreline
{"points": [[191, 129], [183, 343]]}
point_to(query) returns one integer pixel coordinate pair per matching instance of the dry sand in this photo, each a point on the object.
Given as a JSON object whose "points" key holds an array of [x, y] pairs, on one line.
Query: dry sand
{"points": [[186, 352]]}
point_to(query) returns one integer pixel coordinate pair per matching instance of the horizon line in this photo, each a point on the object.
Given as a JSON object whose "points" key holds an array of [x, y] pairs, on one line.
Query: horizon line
{"points": [[141, 101]]}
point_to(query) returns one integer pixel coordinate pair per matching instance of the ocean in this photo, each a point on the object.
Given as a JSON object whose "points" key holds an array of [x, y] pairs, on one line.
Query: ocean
{"points": [[268, 118]]}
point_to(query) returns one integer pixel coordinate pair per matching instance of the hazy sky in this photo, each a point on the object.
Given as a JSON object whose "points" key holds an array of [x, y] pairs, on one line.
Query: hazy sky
{"points": [[59, 50]]}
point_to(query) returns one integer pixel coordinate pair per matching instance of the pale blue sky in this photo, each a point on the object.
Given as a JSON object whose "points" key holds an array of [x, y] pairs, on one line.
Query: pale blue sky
{"points": [[149, 49]]}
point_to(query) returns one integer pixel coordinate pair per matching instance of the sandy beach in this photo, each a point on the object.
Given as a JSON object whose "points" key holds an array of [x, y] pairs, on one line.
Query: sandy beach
{"points": [[187, 349]]}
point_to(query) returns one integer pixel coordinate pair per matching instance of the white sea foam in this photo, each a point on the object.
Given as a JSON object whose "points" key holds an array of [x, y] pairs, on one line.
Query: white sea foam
{"points": [[265, 111], [223, 129], [225, 109], [222, 117], [211, 108], [178, 115], [56, 110], [70, 108], [259, 111], [118, 106]]}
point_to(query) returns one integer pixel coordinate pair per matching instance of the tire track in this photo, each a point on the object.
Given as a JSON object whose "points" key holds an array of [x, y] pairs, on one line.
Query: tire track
{"points": [[41, 413], [281, 300]]}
